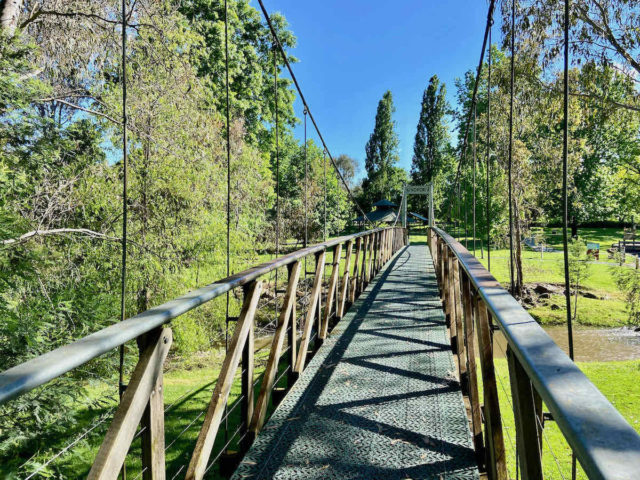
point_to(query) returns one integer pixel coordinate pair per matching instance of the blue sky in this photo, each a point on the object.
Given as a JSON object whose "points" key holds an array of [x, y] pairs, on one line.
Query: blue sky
{"points": [[352, 51]]}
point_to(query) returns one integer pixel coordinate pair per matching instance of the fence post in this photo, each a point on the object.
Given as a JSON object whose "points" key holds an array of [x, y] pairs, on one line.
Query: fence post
{"points": [[525, 413], [345, 279], [292, 330], [370, 262], [316, 290], [142, 398], [335, 270], [457, 318], [211, 424], [152, 423], [363, 273], [356, 270], [476, 414], [496, 460], [271, 370]]}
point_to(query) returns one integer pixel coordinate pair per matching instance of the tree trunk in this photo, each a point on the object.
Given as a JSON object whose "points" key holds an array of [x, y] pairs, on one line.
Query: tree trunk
{"points": [[9, 14], [574, 227]]}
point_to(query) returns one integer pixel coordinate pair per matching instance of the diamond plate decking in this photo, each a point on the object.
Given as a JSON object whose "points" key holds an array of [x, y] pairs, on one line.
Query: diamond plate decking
{"points": [[380, 399]]}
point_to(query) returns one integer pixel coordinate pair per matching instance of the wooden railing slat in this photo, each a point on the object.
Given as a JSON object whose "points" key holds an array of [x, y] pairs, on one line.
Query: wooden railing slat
{"points": [[311, 313], [335, 270], [133, 404], [496, 459], [345, 279], [271, 370], [209, 430]]}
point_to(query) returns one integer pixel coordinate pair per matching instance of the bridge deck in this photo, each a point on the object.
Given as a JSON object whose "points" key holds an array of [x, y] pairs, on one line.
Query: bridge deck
{"points": [[380, 399]]}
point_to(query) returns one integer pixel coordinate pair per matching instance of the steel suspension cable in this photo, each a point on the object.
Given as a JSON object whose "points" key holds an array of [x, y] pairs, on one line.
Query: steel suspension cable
{"points": [[488, 193], [125, 168], [228, 141], [509, 179], [277, 152], [275, 86], [475, 117], [565, 173], [565, 198], [474, 97], [324, 202], [306, 173], [306, 106]]}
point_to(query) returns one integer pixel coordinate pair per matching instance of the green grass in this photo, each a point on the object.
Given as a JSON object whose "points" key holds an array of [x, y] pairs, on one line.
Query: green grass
{"points": [[609, 310], [618, 381]]}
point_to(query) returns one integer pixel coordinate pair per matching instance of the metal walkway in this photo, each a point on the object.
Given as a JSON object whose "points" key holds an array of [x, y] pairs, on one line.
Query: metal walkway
{"points": [[380, 399]]}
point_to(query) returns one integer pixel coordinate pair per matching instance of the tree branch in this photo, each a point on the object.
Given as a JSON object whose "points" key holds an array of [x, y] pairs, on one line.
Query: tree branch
{"points": [[57, 231], [605, 30], [78, 107]]}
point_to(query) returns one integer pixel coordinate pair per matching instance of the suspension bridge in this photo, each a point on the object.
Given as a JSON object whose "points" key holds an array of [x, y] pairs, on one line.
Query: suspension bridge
{"points": [[380, 366]]}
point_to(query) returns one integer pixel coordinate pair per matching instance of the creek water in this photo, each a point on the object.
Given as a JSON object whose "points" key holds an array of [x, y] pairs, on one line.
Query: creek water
{"points": [[589, 344]]}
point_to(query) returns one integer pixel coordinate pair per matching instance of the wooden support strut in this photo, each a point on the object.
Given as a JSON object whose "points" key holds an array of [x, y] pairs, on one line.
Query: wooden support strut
{"points": [[143, 395], [335, 270], [457, 318], [370, 262], [363, 269], [260, 412], [495, 452], [356, 270], [525, 412], [207, 436], [313, 304], [476, 414], [345, 279], [292, 331]]}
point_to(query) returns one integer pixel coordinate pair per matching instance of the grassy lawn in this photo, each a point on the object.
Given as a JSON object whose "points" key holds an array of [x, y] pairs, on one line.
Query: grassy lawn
{"points": [[618, 381], [608, 310]]}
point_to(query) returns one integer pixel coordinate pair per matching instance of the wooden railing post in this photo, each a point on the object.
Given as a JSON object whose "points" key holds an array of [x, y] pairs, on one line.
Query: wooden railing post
{"points": [[292, 330], [363, 269], [268, 381], [370, 262], [142, 398], [333, 281], [246, 405], [345, 280], [356, 270], [525, 412], [496, 459], [457, 318], [474, 400], [447, 292], [316, 290], [152, 424], [212, 419]]}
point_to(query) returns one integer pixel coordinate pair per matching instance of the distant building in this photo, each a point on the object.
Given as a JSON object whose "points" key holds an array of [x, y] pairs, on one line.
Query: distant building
{"points": [[386, 212]]}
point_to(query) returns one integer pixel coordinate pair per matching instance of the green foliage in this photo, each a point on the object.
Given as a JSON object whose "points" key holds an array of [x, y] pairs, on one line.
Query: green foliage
{"points": [[384, 179]]}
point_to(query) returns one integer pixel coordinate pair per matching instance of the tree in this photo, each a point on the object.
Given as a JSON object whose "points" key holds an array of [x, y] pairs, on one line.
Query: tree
{"points": [[628, 281], [382, 154], [348, 167], [432, 138], [579, 270]]}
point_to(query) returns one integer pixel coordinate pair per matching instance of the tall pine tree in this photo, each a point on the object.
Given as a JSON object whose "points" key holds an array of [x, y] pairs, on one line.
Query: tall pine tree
{"points": [[432, 139], [384, 179]]}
